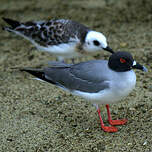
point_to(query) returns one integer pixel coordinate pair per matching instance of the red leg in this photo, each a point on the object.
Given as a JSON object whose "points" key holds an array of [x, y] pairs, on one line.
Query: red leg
{"points": [[114, 122], [103, 127]]}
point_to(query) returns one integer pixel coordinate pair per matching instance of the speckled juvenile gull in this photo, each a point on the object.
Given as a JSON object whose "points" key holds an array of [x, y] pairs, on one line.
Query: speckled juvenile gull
{"points": [[61, 37]]}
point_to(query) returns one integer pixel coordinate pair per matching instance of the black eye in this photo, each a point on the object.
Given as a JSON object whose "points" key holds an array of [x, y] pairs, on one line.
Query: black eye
{"points": [[95, 42]]}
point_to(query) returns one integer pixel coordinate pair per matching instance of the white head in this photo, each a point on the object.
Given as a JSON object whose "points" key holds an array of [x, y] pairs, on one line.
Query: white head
{"points": [[96, 41]]}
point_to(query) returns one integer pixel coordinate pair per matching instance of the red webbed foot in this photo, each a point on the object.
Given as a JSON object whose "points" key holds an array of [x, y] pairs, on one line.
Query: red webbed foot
{"points": [[103, 127], [117, 122], [109, 128], [114, 122]]}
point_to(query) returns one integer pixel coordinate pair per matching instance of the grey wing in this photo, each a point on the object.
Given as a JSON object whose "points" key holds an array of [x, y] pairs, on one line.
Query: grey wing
{"points": [[73, 79]]}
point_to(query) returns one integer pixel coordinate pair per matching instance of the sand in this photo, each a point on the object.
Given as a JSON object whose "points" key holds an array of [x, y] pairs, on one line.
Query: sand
{"points": [[38, 117]]}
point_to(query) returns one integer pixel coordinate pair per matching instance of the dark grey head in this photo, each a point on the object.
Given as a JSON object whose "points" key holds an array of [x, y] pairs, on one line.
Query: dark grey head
{"points": [[123, 61]]}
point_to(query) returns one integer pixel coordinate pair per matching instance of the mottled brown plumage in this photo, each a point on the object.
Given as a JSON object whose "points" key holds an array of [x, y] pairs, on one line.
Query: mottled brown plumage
{"points": [[52, 32], [61, 37]]}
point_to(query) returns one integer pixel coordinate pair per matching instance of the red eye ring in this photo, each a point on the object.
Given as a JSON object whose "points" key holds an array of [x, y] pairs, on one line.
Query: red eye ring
{"points": [[122, 60]]}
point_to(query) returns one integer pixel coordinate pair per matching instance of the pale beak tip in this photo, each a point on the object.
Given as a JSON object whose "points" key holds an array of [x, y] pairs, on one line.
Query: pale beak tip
{"points": [[145, 69]]}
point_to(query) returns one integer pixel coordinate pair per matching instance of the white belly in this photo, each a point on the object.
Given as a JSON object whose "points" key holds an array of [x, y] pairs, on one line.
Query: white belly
{"points": [[120, 88], [66, 50]]}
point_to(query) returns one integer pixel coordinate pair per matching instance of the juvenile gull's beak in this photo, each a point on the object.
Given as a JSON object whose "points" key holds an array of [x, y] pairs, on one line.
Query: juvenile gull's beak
{"points": [[109, 49], [139, 66]]}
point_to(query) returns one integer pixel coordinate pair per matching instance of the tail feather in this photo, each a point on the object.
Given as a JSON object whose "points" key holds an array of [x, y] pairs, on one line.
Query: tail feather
{"points": [[11, 22], [38, 73], [35, 72]]}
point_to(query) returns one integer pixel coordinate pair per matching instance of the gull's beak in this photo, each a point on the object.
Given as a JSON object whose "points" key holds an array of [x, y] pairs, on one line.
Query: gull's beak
{"points": [[109, 49], [139, 66]]}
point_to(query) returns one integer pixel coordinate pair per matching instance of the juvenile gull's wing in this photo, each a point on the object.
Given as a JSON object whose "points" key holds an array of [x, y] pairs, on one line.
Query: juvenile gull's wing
{"points": [[47, 33]]}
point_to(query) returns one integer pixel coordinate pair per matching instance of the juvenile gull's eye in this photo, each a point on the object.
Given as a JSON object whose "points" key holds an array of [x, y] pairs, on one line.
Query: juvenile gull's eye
{"points": [[95, 42]]}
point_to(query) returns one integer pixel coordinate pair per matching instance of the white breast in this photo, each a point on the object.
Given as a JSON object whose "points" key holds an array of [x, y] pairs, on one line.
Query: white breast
{"points": [[67, 50], [122, 85], [64, 50]]}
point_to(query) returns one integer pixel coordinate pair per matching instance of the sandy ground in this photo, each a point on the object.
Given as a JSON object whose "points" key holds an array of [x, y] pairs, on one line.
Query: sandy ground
{"points": [[38, 117]]}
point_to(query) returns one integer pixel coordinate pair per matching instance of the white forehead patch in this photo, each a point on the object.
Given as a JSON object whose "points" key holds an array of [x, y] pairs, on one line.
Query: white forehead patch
{"points": [[93, 35], [134, 63]]}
